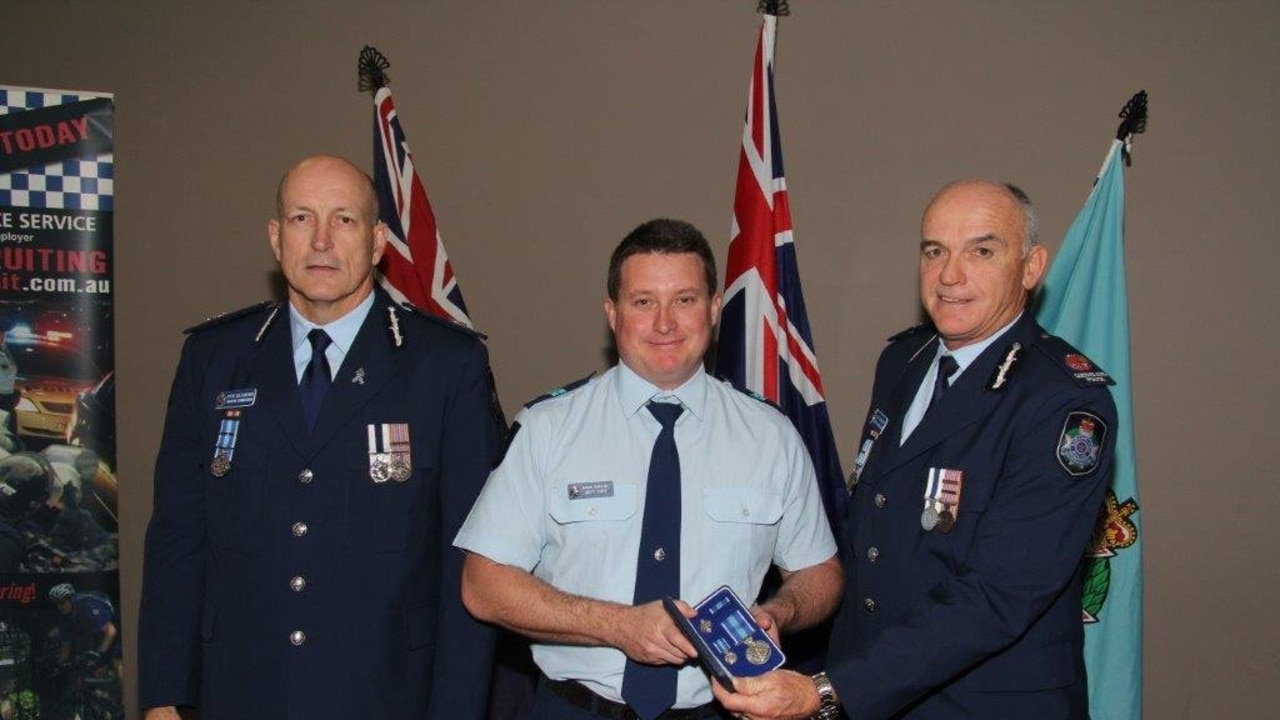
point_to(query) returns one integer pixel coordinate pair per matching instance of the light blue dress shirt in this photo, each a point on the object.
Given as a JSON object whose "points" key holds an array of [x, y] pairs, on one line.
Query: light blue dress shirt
{"points": [[342, 332], [567, 504]]}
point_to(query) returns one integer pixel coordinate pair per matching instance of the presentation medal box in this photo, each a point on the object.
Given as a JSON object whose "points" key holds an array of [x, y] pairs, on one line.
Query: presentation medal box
{"points": [[729, 642]]}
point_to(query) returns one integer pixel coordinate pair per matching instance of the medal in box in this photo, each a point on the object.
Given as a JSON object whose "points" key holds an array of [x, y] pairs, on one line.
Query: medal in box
{"points": [[729, 641]]}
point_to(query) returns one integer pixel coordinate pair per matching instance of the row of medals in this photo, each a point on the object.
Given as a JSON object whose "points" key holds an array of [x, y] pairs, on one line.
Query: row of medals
{"points": [[389, 466], [758, 651]]}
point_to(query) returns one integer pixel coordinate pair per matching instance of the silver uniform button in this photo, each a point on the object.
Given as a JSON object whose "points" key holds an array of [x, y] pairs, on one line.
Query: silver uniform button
{"points": [[881, 500], [873, 553], [869, 605], [297, 637], [306, 476], [299, 529], [297, 583], [659, 554]]}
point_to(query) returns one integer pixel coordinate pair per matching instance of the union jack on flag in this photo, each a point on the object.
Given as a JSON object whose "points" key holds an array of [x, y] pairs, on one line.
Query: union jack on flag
{"points": [[414, 268], [765, 344]]}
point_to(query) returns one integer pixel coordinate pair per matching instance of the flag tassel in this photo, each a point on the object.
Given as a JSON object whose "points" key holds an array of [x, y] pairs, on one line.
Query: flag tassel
{"points": [[776, 8], [373, 66], [1133, 121]]}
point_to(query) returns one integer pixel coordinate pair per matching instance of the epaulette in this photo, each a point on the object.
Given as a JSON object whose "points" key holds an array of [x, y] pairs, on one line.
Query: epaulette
{"points": [[1073, 362], [559, 391], [913, 330], [447, 322], [224, 318], [750, 393]]}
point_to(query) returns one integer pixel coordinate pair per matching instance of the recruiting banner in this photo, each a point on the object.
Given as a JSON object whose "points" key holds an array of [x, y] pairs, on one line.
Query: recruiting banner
{"points": [[59, 586]]}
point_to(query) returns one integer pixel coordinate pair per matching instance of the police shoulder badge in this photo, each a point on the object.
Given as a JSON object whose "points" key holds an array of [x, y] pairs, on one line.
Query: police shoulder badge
{"points": [[1081, 441]]}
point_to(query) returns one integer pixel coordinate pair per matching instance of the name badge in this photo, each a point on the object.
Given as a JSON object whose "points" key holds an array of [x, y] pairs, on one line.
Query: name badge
{"points": [[588, 490], [236, 399]]}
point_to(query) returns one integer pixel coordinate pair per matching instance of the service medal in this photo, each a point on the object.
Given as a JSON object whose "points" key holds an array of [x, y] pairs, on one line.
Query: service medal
{"points": [[220, 466], [705, 625], [400, 470], [758, 651], [730, 657], [379, 468], [929, 518], [946, 521], [224, 448]]}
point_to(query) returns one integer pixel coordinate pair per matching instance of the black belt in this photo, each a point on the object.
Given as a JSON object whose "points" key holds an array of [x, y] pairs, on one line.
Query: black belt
{"points": [[580, 697]]}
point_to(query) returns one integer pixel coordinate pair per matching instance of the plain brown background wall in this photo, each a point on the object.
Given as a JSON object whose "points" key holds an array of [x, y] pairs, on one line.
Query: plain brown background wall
{"points": [[546, 130]]}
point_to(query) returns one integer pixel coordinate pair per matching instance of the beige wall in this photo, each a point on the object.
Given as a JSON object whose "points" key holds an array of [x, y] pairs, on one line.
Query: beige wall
{"points": [[546, 130]]}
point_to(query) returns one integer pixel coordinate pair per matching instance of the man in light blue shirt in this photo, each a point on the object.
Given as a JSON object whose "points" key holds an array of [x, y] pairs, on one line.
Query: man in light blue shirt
{"points": [[553, 540]]}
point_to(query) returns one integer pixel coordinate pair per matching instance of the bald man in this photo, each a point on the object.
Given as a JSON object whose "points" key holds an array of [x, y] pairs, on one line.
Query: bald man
{"points": [[318, 457], [979, 475]]}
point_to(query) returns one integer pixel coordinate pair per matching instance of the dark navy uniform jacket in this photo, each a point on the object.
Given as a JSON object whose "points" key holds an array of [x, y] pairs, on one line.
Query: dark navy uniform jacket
{"points": [[983, 621], [294, 586]]}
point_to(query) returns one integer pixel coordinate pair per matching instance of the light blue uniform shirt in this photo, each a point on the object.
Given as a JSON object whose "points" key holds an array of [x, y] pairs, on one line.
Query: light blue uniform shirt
{"points": [[924, 394], [749, 498], [342, 332]]}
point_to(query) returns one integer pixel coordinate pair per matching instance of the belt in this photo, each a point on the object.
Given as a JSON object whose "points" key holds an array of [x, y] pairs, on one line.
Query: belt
{"points": [[580, 697]]}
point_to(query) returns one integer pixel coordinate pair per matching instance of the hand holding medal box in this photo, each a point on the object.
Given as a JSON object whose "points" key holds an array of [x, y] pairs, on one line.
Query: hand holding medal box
{"points": [[729, 641]]}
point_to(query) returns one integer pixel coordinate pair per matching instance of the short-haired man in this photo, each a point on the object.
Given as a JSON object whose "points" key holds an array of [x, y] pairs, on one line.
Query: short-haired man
{"points": [[559, 542], [318, 457], [978, 485]]}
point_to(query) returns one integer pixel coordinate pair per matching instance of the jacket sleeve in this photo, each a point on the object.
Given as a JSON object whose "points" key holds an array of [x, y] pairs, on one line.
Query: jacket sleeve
{"points": [[469, 448], [169, 641], [1028, 548]]}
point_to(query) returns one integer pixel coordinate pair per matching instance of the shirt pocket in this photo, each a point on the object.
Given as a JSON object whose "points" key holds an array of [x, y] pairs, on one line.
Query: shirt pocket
{"points": [[237, 501], [586, 531], [744, 521], [388, 516]]}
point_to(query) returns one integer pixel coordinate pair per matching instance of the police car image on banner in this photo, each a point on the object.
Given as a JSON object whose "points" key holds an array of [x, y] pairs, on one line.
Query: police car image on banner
{"points": [[729, 641], [389, 456]]}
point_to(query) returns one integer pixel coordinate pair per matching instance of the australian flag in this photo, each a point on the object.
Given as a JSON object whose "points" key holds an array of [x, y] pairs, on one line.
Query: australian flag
{"points": [[414, 268], [765, 344]]}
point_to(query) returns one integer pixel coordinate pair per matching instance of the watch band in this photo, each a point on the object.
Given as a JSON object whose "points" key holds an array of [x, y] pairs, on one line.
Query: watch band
{"points": [[829, 709]]}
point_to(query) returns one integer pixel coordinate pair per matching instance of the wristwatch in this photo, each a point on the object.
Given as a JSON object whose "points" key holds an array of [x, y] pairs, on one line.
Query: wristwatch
{"points": [[829, 709]]}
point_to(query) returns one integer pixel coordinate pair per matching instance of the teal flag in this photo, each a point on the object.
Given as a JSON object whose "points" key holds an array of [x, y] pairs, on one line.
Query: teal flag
{"points": [[1085, 302]]}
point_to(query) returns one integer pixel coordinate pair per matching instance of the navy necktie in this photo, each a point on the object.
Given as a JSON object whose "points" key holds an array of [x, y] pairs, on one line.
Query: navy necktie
{"points": [[315, 378], [651, 689], [947, 366]]}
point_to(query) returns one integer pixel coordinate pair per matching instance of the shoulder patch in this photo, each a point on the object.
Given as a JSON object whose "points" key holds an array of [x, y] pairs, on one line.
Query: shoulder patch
{"points": [[560, 391], [224, 318], [1080, 444], [1073, 362], [751, 394], [447, 322]]}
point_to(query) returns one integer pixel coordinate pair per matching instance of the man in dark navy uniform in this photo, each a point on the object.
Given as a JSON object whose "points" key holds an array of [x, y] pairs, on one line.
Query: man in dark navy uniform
{"points": [[979, 475], [318, 457]]}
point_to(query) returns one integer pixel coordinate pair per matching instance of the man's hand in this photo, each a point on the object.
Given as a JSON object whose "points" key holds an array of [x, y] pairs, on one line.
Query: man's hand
{"points": [[168, 712], [649, 636], [767, 623], [779, 695]]}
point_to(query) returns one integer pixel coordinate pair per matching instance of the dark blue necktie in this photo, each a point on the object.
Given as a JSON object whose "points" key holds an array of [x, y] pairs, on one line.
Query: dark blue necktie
{"points": [[651, 689], [946, 367], [315, 378]]}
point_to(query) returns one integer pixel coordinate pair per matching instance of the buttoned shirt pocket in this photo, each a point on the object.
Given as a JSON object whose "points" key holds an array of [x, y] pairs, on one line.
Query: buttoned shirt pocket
{"points": [[237, 501], [587, 530], [744, 521], [386, 514]]}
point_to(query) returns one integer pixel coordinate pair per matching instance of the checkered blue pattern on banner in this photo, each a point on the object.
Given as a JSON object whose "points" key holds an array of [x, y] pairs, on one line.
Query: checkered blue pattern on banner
{"points": [[64, 185]]}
